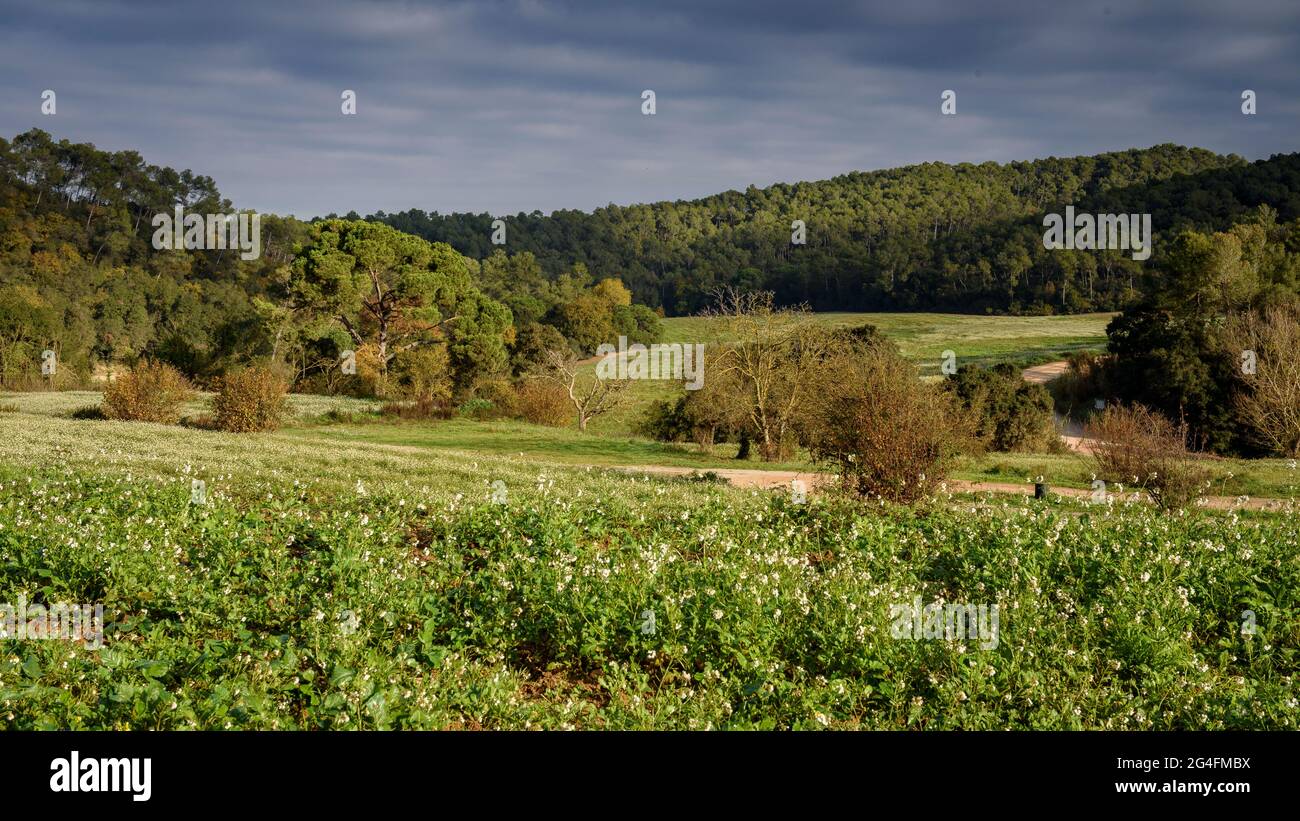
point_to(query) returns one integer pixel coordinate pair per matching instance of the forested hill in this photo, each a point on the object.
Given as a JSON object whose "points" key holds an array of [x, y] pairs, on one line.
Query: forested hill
{"points": [[932, 236]]}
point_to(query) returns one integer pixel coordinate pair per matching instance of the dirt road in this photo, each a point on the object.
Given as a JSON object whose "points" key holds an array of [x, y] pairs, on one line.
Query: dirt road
{"points": [[1042, 374], [770, 479]]}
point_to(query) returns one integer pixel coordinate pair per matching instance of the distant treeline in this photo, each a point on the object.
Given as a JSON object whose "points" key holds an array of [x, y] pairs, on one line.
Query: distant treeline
{"points": [[927, 237]]}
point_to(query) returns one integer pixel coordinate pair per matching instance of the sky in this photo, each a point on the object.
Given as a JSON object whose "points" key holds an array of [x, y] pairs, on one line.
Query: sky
{"points": [[504, 106]]}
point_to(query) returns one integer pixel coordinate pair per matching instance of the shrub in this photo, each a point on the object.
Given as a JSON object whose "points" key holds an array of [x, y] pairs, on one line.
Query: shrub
{"points": [[1006, 412], [888, 434], [422, 374], [250, 400], [479, 409], [706, 416], [544, 403], [665, 420], [1139, 447], [501, 396], [149, 392]]}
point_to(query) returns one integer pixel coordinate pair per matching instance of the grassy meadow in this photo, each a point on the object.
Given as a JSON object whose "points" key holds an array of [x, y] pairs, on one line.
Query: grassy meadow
{"points": [[457, 574], [377, 586]]}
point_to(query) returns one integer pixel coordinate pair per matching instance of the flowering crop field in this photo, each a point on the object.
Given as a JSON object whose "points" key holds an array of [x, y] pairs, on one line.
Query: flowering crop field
{"points": [[377, 587]]}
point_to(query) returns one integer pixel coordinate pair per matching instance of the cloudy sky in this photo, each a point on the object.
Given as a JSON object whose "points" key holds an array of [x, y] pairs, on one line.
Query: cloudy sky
{"points": [[519, 105]]}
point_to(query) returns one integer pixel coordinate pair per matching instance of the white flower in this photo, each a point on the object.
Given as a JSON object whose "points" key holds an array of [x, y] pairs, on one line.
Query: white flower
{"points": [[717, 614]]}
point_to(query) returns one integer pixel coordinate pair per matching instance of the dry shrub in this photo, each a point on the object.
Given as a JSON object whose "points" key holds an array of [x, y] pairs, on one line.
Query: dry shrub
{"points": [[1138, 447], [544, 403], [149, 392], [250, 400], [888, 434]]}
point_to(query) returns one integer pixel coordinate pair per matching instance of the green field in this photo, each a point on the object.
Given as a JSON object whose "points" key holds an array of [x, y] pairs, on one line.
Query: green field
{"points": [[923, 337], [334, 583], [463, 574]]}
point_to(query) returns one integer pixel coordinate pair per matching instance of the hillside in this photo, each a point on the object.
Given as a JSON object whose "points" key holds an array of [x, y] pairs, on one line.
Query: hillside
{"points": [[79, 273], [927, 237]]}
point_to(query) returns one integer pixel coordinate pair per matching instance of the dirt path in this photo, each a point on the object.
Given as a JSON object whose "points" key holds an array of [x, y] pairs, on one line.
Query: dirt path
{"points": [[1042, 374], [1071, 431], [770, 479]]}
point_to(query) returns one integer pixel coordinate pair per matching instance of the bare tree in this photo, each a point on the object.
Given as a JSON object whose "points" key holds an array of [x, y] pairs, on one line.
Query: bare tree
{"points": [[591, 396], [1267, 349], [772, 354]]}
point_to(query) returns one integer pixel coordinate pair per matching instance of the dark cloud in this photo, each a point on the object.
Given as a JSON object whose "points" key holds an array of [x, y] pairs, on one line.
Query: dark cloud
{"points": [[531, 104]]}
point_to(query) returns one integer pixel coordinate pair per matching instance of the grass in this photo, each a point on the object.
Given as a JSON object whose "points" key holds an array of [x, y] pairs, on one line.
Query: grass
{"points": [[34, 415], [975, 339], [362, 576], [302, 407], [587, 600]]}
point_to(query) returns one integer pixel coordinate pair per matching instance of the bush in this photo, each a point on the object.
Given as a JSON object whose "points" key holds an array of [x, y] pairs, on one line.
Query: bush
{"points": [[480, 409], [665, 420], [149, 392], [544, 403], [888, 434], [421, 374], [1006, 412], [500, 395], [1138, 447], [1268, 402], [250, 400]]}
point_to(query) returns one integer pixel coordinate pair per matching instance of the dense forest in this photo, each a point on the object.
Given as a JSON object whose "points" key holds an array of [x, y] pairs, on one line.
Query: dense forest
{"points": [[934, 236], [79, 275]]}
